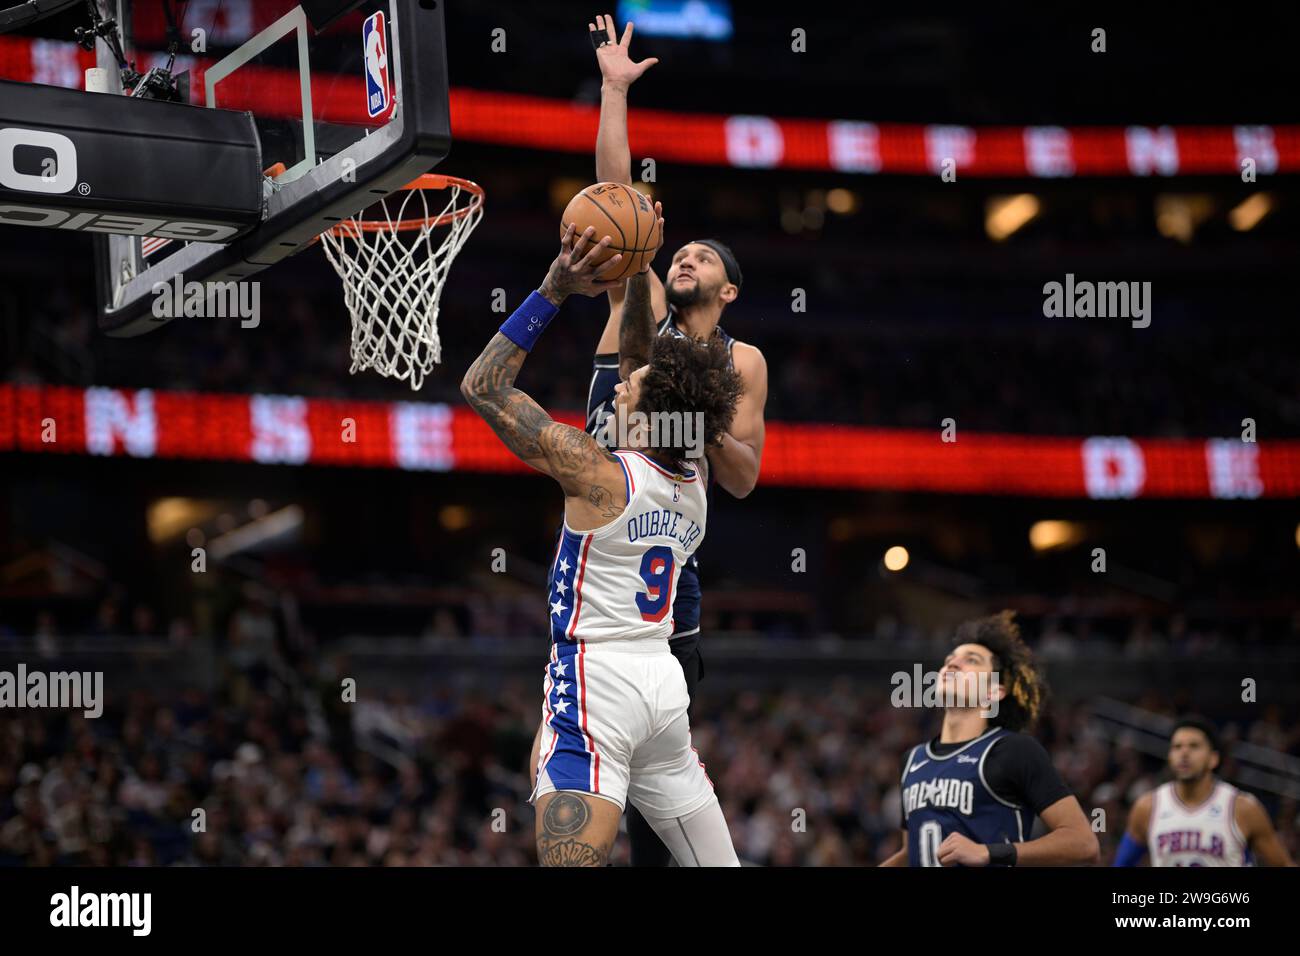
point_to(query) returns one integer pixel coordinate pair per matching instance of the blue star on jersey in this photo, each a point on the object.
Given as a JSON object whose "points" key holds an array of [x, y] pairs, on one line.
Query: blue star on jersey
{"points": [[570, 760], [560, 697], [565, 606], [558, 607]]}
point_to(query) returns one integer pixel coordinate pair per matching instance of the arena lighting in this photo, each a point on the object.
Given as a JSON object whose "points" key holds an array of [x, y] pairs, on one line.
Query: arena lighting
{"points": [[564, 188], [791, 220], [680, 19], [841, 201], [256, 532], [1050, 535], [1177, 216], [847, 145], [1247, 215], [1297, 536], [1005, 215], [167, 518], [455, 517], [896, 558]]}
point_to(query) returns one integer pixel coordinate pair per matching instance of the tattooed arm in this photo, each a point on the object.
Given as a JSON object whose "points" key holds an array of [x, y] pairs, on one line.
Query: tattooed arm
{"points": [[577, 461], [567, 454], [636, 329]]}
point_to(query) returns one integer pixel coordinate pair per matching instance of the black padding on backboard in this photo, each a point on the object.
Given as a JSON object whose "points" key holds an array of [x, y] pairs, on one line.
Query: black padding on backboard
{"points": [[22, 14], [127, 163]]}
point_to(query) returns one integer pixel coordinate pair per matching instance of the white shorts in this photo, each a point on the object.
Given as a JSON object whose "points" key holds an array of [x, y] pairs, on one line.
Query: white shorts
{"points": [[614, 725]]}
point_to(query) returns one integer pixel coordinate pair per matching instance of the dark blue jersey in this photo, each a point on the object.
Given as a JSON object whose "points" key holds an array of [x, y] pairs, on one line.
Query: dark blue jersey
{"points": [[600, 405], [947, 791]]}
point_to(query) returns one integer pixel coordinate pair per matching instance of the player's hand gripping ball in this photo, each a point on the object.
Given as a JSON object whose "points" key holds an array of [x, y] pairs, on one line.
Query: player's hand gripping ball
{"points": [[577, 268], [634, 225]]}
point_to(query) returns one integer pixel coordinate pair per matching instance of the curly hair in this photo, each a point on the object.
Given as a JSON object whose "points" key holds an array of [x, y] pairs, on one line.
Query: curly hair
{"points": [[687, 376], [1014, 664]]}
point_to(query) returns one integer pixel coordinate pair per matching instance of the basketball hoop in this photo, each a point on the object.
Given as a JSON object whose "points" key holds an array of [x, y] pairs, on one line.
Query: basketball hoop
{"points": [[393, 273]]}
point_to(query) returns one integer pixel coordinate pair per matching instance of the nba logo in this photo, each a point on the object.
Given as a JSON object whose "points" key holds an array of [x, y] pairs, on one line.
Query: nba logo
{"points": [[379, 92]]}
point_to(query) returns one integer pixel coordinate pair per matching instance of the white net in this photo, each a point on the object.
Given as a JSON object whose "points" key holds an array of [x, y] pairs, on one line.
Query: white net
{"points": [[393, 274]]}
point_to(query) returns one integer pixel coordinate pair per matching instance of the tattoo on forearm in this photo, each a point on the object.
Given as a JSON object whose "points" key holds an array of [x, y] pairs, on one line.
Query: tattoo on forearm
{"points": [[636, 330], [489, 388], [497, 366], [519, 421]]}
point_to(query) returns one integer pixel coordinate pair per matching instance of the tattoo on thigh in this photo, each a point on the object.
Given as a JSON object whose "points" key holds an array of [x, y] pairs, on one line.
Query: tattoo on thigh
{"points": [[565, 816], [570, 853], [559, 843]]}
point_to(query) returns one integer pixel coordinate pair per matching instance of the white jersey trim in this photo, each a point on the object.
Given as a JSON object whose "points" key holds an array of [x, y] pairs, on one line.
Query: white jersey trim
{"points": [[907, 764], [970, 743], [1203, 805], [984, 780]]}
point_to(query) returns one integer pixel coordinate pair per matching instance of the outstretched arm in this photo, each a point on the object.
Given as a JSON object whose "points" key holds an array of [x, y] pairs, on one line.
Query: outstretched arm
{"points": [[613, 156], [737, 460], [636, 328], [569, 455], [617, 74]]}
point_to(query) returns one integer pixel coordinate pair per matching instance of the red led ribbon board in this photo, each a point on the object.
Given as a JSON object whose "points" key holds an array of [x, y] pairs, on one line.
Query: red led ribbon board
{"points": [[296, 431], [849, 146]]}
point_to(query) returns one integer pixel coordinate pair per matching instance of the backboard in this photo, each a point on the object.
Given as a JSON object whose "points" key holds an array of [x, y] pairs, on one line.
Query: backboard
{"points": [[350, 103]]}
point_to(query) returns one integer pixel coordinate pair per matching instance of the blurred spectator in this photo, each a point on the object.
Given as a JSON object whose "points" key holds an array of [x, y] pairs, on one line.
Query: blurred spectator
{"points": [[806, 778]]}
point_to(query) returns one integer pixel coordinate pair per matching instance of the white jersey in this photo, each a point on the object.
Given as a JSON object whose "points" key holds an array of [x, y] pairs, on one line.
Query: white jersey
{"points": [[1205, 835], [617, 582]]}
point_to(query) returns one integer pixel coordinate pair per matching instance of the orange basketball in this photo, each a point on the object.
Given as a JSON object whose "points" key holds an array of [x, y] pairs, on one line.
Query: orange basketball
{"points": [[626, 216]]}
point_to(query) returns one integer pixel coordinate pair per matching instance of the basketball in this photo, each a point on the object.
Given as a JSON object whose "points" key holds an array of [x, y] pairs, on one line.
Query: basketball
{"points": [[622, 213]]}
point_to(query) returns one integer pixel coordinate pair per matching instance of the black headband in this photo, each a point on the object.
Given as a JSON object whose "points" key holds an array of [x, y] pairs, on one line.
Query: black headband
{"points": [[728, 260]]}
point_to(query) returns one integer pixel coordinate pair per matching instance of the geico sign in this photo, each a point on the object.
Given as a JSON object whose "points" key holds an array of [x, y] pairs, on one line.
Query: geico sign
{"points": [[61, 179], [115, 223]]}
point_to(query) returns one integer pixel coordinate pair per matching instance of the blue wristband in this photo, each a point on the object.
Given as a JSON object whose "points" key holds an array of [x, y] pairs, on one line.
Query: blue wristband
{"points": [[527, 322], [1130, 852]]}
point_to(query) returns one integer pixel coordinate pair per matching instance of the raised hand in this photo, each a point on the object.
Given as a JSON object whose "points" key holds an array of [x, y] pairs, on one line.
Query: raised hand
{"points": [[659, 216], [616, 66], [577, 267]]}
